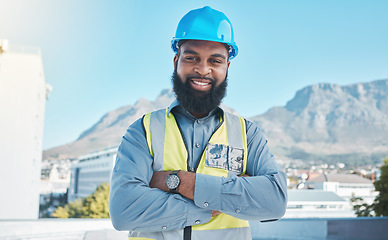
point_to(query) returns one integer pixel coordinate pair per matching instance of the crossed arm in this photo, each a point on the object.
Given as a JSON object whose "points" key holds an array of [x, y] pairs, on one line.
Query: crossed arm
{"points": [[186, 186], [136, 202]]}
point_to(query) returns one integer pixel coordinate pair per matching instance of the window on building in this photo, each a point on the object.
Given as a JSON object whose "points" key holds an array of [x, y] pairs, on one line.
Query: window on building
{"points": [[76, 178], [294, 206]]}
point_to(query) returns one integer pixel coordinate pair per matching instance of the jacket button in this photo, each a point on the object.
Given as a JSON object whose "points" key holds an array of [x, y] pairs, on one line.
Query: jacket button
{"points": [[197, 145], [237, 210], [206, 204], [197, 222], [164, 227]]}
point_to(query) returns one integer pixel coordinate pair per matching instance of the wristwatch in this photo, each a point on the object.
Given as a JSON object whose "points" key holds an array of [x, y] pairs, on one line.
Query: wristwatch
{"points": [[173, 181]]}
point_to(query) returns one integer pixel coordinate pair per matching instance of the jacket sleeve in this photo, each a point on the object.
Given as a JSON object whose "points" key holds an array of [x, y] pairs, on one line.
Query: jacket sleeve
{"points": [[262, 196], [133, 205]]}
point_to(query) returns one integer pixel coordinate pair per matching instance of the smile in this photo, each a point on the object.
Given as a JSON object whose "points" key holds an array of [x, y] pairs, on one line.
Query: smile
{"points": [[201, 83]]}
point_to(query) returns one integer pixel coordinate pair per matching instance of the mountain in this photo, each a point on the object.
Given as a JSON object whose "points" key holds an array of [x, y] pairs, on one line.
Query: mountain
{"points": [[108, 131], [322, 122], [329, 119]]}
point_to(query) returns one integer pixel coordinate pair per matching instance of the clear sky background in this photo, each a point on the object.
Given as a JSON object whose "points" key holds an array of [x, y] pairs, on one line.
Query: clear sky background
{"points": [[101, 55]]}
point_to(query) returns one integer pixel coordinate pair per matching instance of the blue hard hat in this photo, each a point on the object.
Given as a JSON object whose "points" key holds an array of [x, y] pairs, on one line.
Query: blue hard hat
{"points": [[205, 24]]}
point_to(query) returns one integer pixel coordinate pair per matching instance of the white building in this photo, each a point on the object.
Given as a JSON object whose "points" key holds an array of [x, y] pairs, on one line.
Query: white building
{"points": [[344, 185], [55, 176], [54, 183], [90, 171], [23, 93], [317, 204]]}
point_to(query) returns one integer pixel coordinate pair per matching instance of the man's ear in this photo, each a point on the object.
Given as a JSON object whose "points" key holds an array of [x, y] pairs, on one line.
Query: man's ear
{"points": [[228, 64], [176, 57]]}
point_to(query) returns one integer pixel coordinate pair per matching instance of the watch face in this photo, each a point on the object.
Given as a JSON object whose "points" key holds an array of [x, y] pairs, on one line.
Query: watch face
{"points": [[172, 181]]}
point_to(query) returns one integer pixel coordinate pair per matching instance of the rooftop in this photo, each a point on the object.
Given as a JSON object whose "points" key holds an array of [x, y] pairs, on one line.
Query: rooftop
{"points": [[341, 178], [313, 196], [6, 47]]}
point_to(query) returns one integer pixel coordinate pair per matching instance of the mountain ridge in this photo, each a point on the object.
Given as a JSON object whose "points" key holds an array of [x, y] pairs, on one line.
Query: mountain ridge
{"points": [[331, 119], [323, 119]]}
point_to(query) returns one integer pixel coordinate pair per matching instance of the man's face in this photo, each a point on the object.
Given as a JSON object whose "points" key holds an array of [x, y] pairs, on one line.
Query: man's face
{"points": [[200, 75], [200, 62]]}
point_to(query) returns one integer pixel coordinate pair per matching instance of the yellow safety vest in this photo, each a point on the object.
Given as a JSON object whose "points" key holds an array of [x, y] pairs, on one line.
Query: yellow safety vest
{"points": [[225, 155]]}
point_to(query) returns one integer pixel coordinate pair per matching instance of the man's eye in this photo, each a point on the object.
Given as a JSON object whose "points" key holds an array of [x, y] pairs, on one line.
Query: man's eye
{"points": [[216, 61], [190, 58]]}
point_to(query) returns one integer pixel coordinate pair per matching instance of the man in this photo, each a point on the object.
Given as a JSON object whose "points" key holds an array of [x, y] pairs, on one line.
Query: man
{"points": [[193, 171]]}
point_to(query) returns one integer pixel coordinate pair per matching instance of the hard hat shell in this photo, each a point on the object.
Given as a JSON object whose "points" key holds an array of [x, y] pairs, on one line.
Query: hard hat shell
{"points": [[205, 24]]}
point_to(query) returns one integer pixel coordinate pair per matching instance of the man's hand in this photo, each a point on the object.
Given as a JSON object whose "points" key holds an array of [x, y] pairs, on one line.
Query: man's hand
{"points": [[186, 187], [159, 180], [215, 213], [245, 175]]}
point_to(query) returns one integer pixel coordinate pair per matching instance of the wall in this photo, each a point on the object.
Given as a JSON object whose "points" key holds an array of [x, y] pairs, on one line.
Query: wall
{"points": [[314, 228], [22, 104], [295, 229]]}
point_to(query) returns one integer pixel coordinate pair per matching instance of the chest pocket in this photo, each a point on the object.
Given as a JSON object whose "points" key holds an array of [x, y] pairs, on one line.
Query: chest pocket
{"points": [[225, 157]]}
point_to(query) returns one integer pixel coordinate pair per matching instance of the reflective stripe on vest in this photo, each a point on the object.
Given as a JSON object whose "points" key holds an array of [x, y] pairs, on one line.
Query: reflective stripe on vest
{"points": [[167, 145]]}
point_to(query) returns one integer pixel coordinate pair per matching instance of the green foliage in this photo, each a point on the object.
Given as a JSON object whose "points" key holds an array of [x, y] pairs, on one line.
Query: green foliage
{"points": [[381, 201], [97, 204], [361, 208], [51, 202], [93, 206], [380, 206], [61, 212]]}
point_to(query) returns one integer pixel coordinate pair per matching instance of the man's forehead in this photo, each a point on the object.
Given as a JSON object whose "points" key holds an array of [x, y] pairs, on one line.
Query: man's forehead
{"points": [[190, 45]]}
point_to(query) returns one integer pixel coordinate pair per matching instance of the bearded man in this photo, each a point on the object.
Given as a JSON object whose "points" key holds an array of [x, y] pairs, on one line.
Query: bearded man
{"points": [[193, 171]]}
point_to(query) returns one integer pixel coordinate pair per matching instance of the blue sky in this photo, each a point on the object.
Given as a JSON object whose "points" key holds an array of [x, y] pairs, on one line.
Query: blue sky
{"points": [[101, 55]]}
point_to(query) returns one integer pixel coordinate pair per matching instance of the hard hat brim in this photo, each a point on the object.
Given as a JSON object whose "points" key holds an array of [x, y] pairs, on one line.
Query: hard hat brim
{"points": [[233, 51]]}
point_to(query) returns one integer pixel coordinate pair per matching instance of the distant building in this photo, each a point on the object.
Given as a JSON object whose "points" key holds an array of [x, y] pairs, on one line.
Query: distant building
{"points": [[54, 184], [55, 176], [23, 93], [89, 171], [344, 185], [317, 204]]}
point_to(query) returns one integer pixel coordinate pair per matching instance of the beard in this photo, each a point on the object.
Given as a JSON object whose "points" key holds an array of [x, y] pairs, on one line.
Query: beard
{"points": [[196, 101]]}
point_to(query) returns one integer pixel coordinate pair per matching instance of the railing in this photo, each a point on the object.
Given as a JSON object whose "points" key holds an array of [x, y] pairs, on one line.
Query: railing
{"points": [[285, 229], [48, 236], [322, 229], [59, 229]]}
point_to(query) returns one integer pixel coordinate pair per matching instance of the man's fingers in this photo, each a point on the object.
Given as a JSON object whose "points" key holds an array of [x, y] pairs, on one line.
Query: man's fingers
{"points": [[245, 175], [215, 213]]}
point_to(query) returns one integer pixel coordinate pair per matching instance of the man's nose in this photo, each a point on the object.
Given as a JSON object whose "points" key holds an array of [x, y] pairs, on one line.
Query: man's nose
{"points": [[202, 68]]}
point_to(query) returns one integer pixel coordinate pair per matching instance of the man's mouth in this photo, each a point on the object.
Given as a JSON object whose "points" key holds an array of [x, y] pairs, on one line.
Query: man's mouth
{"points": [[201, 83]]}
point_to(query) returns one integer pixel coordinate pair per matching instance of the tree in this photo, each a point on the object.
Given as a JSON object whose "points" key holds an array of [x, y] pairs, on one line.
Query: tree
{"points": [[381, 185], [71, 210], [61, 212], [96, 205], [361, 208], [93, 206]]}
